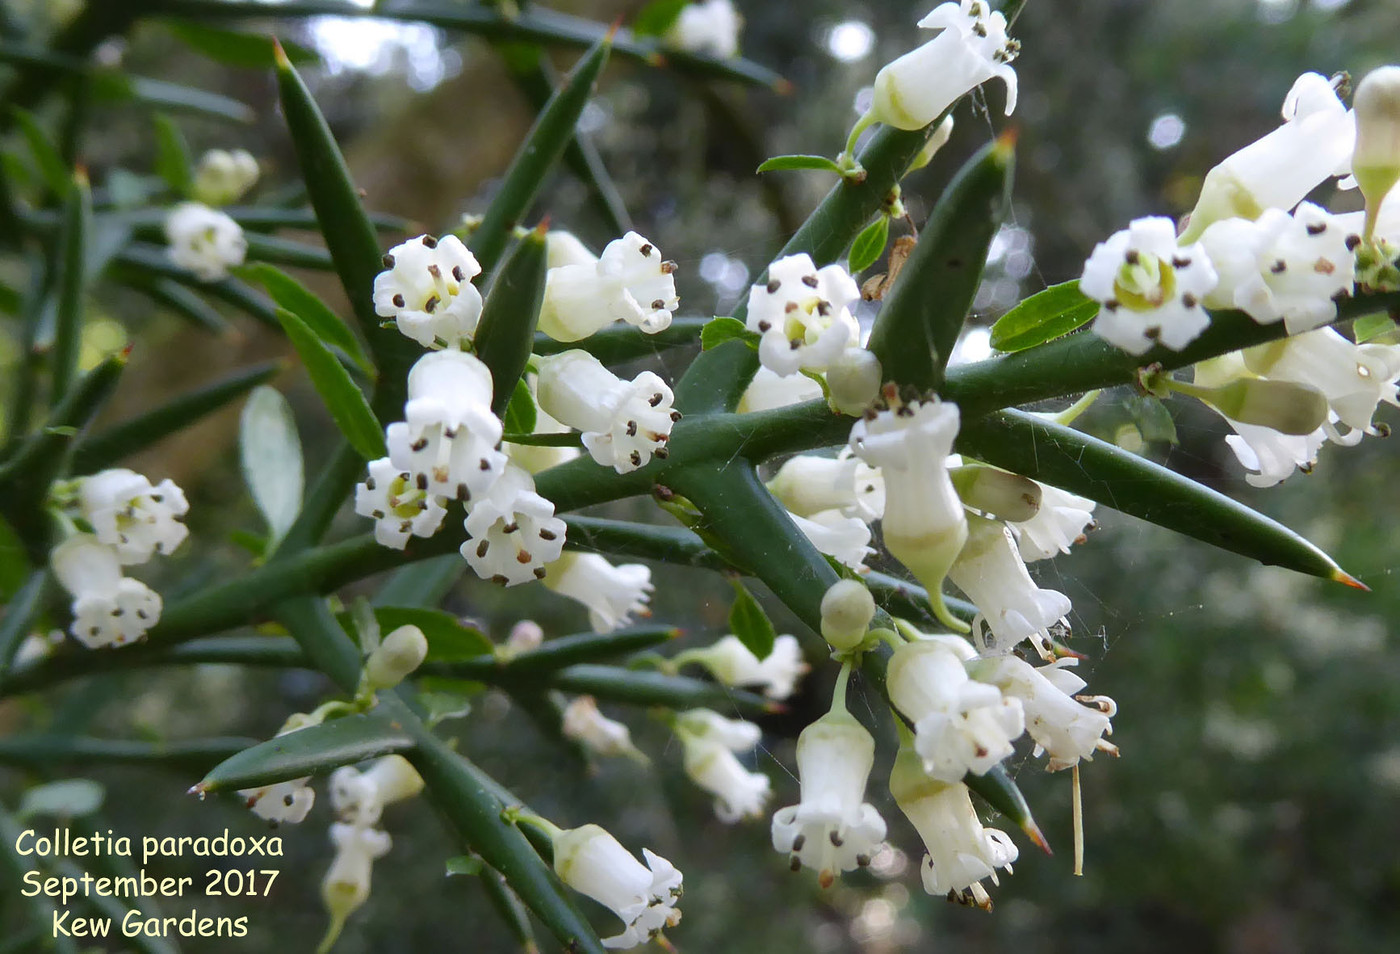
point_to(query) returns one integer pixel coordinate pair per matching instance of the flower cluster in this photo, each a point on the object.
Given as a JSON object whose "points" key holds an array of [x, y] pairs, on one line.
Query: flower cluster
{"points": [[205, 241]]}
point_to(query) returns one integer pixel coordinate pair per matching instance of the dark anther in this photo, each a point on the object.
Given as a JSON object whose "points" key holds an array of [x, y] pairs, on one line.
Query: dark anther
{"points": [[377, 514], [1190, 300], [1352, 242], [655, 399], [662, 453], [631, 428], [1317, 228], [422, 481], [430, 304], [399, 301], [1131, 256], [548, 535], [1111, 304], [1279, 267], [646, 250], [658, 304], [636, 458], [418, 445], [458, 274], [836, 840], [773, 286], [798, 842], [463, 493], [810, 281], [1180, 261], [675, 416], [500, 580], [429, 242], [764, 325], [795, 864], [369, 483], [388, 261], [540, 572]]}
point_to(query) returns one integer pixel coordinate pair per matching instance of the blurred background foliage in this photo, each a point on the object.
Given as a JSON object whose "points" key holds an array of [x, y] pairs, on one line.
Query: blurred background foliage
{"points": [[1254, 807]]}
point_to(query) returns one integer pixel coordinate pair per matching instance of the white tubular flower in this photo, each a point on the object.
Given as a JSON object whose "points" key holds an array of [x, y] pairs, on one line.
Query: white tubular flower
{"points": [[1150, 288], [133, 517], [1355, 379], [358, 798], [399, 509], [613, 594], [427, 289], [1282, 267], [223, 177], [960, 725], [643, 896], [282, 803], [1060, 523], [602, 736], [1065, 729], [536, 457], [564, 248], [631, 282], [512, 531], [108, 608], [992, 573], [448, 440], [710, 741], [833, 829], [924, 524], [845, 539], [960, 851], [806, 485], [204, 241], [624, 423], [803, 315], [971, 49], [769, 391], [1278, 171], [346, 885], [1270, 455], [731, 663], [710, 28]]}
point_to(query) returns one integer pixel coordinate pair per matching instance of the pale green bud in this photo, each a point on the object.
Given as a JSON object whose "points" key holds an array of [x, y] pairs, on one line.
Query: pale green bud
{"points": [[1376, 159], [1282, 406], [401, 652], [847, 609], [854, 381], [996, 492]]}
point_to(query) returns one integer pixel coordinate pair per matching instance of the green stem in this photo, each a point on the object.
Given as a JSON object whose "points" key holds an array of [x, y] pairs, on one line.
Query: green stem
{"points": [[1071, 414], [838, 694]]}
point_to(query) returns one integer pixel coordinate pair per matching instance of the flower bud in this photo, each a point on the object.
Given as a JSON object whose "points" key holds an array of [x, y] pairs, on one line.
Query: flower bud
{"points": [[1282, 406], [1376, 159], [401, 652], [1008, 496], [854, 380], [847, 609], [937, 141]]}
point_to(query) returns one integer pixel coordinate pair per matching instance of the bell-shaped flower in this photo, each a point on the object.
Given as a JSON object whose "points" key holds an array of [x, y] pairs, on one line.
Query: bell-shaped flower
{"points": [[1060, 523], [833, 829], [448, 440], [769, 390], [960, 725], [710, 741], [707, 27], [224, 176], [624, 423], [538, 457], [512, 531], [399, 509], [204, 241], [630, 282], [132, 516], [1269, 454], [992, 573], [961, 853], [731, 663], [1151, 289], [564, 248], [108, 609], [1375, 162], [346, 884], [803, 315], [1282, 267], [806, 485], [844, 539], [643, 896], [1355, 379], [613, 594], [924, 524], [602, 736], [359, 797], [426, 288], [1065, 729], [1278, 171], [971, 49]]}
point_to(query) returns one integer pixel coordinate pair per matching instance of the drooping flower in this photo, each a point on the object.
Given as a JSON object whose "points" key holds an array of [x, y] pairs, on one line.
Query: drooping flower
{"points": [[844, 539], [833, 829], [224, 176], [731, 662], [1270, 455], [624, 423], [564, 248], [132, 516], [643, 896], [806, 485], [630, 282], [1057, 525], [1065, 729], [204, 241], [769, 390], [992, 573], [427, 289], [710, 741], [708, 27], [346, 884], [108, 609], [399, 509], [538, 457], [359, 797], [584, 723], [512, 531], [803, 315], [1151, 289], [613, 594], [283, 802]]}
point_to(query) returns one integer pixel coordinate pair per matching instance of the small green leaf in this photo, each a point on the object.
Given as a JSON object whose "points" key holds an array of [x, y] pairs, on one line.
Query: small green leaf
{"points": [[640, 688], [1369, 327], [464, 865], [69, 798], [71, 264], [821, 163], [343, 399], [999, 790], [249, 50], [440, 706], [173, 162], [317, 748], [270, 451], [448, 637], [506, 331], [657, 17], [1153, 420], [719, 330], [521, 414], [296, 298], [46, 157], [869, 245], [748, 621], [1044, 316]]}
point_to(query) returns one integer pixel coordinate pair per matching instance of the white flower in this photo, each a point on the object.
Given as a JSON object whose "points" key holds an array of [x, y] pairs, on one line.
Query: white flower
{"points": [[512, 531], [1282, 267], [769, 391], [358, 798], [624, 423], [992, 573], [1376, 159], [223, 177], [960, 725], [538, 457], [710, 27], [731, 662], [564, 248], [1278, 171], [644, 897], [613, 594], [845, 539], [833, 828], [603, 736], [1065, 729], [394, 659], [427, 289], [803, 315], [448, 440], [108, 608], [972, 48], [960, 851], [1057, 525], [854, 380], [631, 282], [710, 741], [36, 647], [133, 517], [347, 882], [1150, 288], [806, 485], [1269, 454], [288, 801], [400, 510], [204, 241]]}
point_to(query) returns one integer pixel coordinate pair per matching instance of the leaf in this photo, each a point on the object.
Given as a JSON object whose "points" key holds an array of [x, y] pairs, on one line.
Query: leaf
{"points": [[639, 688], [270, 451], [464, 865], [296, 298], [748, 621], [348, 407], [1044, 316], [1369, 327], [657, 17], [232, 48], [46, 157], [440, 706], [1151, 417], [71, 265], [621, 342], [821, 163], [588, 648], [999, 790], [719, 330], [506, 331], [521, 415], [173, 162], [869, 245], [315, 749], [448, 637], [69, 798], [23, 600]]}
